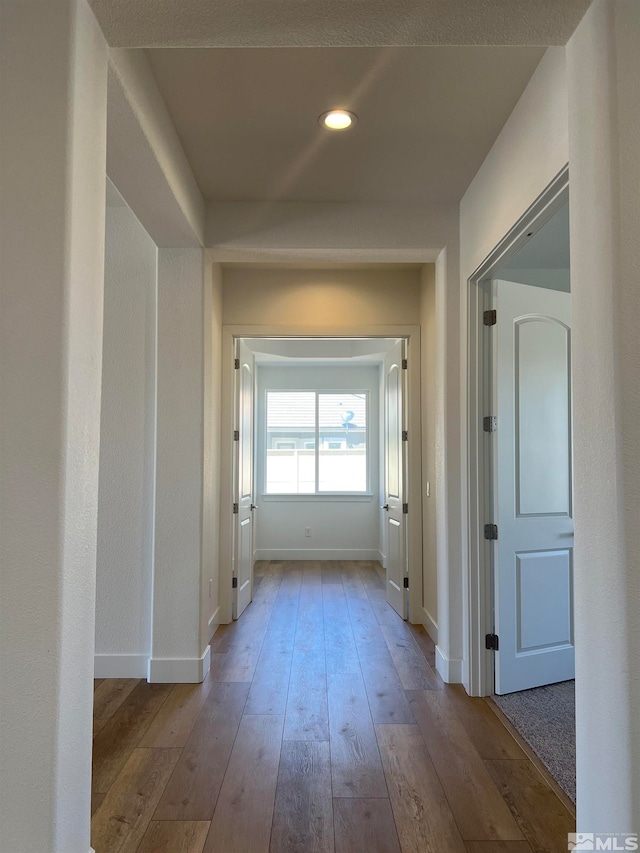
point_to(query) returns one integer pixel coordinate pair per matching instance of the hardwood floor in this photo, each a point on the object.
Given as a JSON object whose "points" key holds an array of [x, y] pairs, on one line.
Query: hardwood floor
{"points": [[322, 726]]}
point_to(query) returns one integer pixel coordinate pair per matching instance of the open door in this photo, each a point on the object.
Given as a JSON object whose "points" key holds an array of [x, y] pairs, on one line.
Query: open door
{"points": [[243, 480], [395, 480], [533, 552]]}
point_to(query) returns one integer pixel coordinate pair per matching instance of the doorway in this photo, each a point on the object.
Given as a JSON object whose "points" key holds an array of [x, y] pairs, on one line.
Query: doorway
{"points": [[522, 515], [295, 502]]}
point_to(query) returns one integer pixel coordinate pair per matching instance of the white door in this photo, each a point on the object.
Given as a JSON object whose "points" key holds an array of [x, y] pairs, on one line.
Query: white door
{"points": [[533, 554], [243, 480], [395, 526]]}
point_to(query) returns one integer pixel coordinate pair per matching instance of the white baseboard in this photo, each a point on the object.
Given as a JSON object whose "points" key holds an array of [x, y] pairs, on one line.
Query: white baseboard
{"points": [[317, 554], [213, 622], [449, 669], [430, 625], [120, 666], [179, 670], [382, 559]]}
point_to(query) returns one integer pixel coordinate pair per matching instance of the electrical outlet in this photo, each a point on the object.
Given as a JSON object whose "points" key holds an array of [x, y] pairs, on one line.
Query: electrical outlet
{"points": [[307, 532]]}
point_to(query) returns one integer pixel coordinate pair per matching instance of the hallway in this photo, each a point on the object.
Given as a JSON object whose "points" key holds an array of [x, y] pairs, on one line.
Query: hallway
{"points": [[322, 726]]}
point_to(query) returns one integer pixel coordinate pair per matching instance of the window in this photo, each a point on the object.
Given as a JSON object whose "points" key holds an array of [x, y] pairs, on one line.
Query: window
{"points": [[316, 442]]}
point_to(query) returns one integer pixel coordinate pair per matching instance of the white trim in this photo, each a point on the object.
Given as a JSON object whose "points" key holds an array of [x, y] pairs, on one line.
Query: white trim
{"points": [[334, 256], [214, 621], [317, 554], [430, 625], [120, 666], [382, 559], [179, 670], [450, 670], [478, 601], [319, 497]]}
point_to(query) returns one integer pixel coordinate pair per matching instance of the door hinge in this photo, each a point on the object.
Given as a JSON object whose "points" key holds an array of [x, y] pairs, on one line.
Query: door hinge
{"points": [[490, 423], [405, 363], [490, 318], [234, 583], [406, 583], [235, 509], [491, 642], [236, 363], [405, 435], [491, 531], [405, 508], [236, 435]]}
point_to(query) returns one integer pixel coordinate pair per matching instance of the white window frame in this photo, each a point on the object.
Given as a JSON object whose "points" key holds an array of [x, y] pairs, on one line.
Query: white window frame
{"points": [[318, 493]]}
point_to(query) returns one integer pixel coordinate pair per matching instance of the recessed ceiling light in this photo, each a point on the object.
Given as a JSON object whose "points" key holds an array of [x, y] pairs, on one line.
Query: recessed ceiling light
{"points": [[338, 119]]}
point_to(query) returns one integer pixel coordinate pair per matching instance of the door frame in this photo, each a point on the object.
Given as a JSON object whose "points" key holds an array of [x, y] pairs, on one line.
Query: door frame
{"points": [[414, 486], [479, 498]]}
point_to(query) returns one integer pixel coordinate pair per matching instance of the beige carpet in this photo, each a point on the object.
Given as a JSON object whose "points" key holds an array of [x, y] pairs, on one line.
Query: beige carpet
{"points": [[546, 719]]}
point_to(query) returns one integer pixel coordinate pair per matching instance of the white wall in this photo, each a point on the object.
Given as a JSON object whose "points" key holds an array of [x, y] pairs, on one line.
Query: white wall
{"points": [[212, 450], [53, 139], [145, 159], [177, 652], [341, 528], [530, 151], [317, 297], [281, 232], [428, 351], [603, 63], [127, 448]]}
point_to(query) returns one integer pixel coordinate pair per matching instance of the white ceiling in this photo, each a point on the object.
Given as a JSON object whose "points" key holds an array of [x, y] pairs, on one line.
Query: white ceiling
{"points": [[548, 248], [286, 23], [247, 119], [113, 197], [319, 352]]}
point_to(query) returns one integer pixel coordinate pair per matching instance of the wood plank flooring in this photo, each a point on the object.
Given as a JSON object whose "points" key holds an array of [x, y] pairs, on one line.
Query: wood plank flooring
{"points": [[322, 727]]}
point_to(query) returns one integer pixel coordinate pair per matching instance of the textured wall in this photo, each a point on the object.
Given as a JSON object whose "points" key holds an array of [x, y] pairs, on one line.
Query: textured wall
{"points": [[212, 449], [428, 352], [603, 65], [145, 159], [530, 150], [316, 297], [127, 439], [53, 139], [177, 583], [279, 231]]}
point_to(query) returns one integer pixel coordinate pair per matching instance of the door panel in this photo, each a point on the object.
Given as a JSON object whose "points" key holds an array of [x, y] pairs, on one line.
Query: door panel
{"points": [[543, 600], [244, 480], [533, 556], [245, 559], [394, 448], [543, 417]]}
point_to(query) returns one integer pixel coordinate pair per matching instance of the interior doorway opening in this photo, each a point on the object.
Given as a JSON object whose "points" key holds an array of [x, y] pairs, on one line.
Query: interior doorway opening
{"points": [[521, 577], [321, 457]]}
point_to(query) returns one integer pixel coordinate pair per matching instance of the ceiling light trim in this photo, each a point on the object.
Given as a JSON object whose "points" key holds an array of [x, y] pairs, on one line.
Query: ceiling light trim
{"points": [[338, 120]]}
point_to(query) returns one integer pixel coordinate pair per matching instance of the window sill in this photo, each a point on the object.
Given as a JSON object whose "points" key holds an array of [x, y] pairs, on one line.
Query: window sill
{"points": [[329, 497]]}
